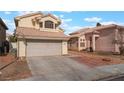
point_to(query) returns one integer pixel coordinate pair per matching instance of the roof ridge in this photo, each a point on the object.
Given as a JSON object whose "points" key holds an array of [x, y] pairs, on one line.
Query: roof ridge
{"points": [[28, 14], [79, 30], [52, 15]]}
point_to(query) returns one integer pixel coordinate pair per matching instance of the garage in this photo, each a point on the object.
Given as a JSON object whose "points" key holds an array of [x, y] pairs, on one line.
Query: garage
{"points": [[44, 47]]}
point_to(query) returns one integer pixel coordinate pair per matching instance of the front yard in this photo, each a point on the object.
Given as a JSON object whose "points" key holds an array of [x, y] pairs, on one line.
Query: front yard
{"points": [[18, 69], [13, 70], [94, 59]]}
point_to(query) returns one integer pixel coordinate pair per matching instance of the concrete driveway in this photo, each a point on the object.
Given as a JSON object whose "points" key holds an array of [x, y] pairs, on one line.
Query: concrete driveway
{"points": [[57, 68], [64, 68]]}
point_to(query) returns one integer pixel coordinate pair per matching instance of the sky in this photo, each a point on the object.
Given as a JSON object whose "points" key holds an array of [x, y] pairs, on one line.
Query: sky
{"points": [[71, 20]]}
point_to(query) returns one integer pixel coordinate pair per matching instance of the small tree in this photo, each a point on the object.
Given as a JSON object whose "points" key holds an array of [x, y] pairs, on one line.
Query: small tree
{"points": [[13, 38]]}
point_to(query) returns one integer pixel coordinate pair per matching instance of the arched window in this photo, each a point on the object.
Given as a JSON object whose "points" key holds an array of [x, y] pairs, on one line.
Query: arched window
{"points": [[48, 24]]}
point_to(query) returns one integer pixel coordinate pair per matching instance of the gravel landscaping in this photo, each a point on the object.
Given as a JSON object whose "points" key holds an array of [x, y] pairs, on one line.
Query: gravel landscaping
{"points": [[14, 70], [93, 60]]}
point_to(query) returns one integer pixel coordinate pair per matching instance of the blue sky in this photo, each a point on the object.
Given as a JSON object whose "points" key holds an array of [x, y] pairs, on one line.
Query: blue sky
{"points": [[71, 20]]}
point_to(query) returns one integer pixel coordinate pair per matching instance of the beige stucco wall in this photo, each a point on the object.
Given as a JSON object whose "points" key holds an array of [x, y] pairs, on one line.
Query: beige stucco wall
{"points": [[21, 48], [14, 44], [94, 39], [75, 41], [64, 48], [73, 44], [27, 22]]}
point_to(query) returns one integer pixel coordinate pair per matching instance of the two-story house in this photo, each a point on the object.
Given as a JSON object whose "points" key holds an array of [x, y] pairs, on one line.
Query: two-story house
{"points": [[104, 38], [39, 34]]}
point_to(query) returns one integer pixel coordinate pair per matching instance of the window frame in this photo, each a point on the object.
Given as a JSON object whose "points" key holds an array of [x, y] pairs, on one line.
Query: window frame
{"points": [[82, 44], [49, 24]]}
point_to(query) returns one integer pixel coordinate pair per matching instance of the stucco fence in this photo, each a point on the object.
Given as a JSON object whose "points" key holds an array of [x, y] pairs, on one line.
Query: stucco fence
{"points": [[13, 48], [13, 45]]}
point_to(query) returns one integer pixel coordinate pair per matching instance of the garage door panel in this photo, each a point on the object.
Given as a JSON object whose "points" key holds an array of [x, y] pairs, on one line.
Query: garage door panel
{"points": [[44, 48]]}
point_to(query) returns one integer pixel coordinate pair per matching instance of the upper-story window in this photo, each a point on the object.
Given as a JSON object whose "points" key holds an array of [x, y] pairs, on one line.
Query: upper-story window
{"points": [[49, 24]]}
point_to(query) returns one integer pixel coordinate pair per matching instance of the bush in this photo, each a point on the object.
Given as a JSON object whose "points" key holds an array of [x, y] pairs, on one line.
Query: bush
{"points": [[90, 49], [121, 50], [13, 39]]}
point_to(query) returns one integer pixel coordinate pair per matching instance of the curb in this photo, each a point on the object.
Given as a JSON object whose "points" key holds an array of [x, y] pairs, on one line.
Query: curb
{"points": [[110, 78]]}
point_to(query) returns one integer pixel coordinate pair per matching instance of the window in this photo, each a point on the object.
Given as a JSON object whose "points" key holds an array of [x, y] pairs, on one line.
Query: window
{"points": [[82, 39], [48, 24], [41, 24], [82, 44]]}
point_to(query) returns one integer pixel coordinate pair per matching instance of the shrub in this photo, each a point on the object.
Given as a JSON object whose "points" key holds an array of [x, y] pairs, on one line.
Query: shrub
{"points": [[13, 38]]}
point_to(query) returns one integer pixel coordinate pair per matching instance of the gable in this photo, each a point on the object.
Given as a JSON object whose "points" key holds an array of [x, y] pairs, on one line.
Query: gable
{"points": [[46, 18]]}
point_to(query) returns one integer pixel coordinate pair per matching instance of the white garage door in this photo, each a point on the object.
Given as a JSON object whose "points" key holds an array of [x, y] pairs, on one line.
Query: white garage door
{"points": [[44, 48]]}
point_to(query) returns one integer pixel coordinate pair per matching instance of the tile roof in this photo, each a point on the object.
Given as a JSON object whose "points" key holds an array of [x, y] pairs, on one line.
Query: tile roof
{"points": [[56, 18], [36, 34], [3, 24], [28, 15], [79, 31], [41, 15], [94, 29]]}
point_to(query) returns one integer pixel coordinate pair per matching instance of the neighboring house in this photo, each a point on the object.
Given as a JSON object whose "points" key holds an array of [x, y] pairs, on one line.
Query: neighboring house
{"points": [[77, 40], [39, 35], [3, 29], [106, 38]]}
